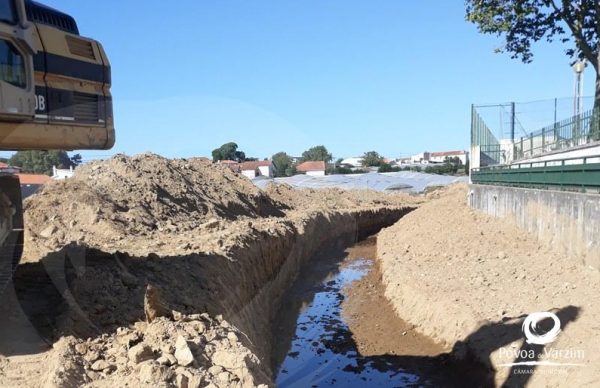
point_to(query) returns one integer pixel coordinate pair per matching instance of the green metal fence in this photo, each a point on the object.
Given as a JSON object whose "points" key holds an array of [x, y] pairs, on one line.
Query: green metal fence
{"points": [[577, 174], [572, 132], [483, 137]]}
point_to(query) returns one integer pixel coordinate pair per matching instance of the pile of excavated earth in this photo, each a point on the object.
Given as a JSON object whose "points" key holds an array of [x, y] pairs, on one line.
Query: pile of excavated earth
{"points": [[149, 204], [168, 272], [468, 280]]}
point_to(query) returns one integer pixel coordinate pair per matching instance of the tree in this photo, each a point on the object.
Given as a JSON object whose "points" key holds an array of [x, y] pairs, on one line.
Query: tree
{"points": [[372, 159], [385, 167], [41, 162], [523, 22], [283, 164], [317, 153], [228, 151]]}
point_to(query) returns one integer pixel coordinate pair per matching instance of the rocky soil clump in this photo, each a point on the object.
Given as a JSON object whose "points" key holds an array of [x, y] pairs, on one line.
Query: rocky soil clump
{"points": [[188, 351]]}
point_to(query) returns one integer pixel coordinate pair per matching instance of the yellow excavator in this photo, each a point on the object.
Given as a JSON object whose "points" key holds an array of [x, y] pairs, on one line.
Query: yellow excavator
{"points": [[54, 94]]}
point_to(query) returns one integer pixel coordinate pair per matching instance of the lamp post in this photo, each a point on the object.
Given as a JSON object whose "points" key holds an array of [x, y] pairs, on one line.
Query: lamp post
{"points": [[578, 68]]}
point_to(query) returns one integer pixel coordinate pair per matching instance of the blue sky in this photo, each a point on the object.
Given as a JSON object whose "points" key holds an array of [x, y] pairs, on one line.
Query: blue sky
{"points": [[393, 76]]}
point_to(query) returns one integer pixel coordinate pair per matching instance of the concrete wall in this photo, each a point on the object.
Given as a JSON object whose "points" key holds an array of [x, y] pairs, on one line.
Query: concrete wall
{"points": [[568, 221]]}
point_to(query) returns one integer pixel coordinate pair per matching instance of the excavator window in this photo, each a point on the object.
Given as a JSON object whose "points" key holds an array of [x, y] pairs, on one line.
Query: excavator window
{"points": [[12, 65], [8, 13]]}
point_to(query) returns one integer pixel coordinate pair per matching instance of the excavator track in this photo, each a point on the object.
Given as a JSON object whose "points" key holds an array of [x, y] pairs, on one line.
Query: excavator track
{"points": [[10, 255], [11, 227]]}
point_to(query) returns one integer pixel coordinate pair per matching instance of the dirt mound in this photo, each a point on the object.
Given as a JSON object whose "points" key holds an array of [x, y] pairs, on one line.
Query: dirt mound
{"points": [[468, 280], [335, 199], [139, 196]]}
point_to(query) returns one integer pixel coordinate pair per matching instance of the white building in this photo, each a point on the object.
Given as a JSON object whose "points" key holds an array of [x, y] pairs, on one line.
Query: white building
{"points": [[440, 157], [355, 162], [312, 168], [60, 174], [258, 168], [420, 158]]}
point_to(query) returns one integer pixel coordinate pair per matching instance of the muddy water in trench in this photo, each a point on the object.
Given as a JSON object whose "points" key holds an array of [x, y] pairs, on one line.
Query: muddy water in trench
{"points": [[335, 328]]}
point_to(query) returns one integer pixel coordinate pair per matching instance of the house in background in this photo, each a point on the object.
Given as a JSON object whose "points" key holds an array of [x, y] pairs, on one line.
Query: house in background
{"points": [[6, 168], [258, 168], [356, 162], [312, 168], [405, 160], [420, 158], [31, 183], [440, 157]]}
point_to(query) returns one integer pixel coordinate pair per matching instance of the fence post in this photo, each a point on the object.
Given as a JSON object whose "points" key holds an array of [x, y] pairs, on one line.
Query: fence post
{"points": [[544, 139], [512, 122], [531, 144]]}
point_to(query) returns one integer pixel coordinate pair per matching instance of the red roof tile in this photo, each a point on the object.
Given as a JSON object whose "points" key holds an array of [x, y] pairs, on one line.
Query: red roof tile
{"points": [[311, 166], [255, 164], [33, 179]]}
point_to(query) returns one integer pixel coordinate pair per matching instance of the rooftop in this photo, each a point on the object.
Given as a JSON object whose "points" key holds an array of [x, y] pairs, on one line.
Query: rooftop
{"points": [[33, 179], [448, 153], [311, 166], [255, 164]]}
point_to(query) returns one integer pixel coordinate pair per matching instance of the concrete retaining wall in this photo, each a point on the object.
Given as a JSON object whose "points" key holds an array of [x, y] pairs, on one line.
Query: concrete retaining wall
{"points": [[568, 221]]}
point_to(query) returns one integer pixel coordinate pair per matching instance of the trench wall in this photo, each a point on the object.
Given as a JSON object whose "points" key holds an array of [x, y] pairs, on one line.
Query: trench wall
{"points": [[566, 220], [283, 256], [246, 285]]}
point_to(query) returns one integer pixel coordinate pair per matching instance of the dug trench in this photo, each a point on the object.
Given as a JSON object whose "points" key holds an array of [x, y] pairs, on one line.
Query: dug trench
{"points": [[89, 293]]}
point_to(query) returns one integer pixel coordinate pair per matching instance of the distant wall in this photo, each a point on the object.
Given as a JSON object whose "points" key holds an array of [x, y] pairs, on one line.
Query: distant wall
{"points": [[568, 221]]}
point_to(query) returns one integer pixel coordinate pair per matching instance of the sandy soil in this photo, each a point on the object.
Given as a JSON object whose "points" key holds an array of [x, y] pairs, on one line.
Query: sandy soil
{"points": [[468, 280], [376, 328]]}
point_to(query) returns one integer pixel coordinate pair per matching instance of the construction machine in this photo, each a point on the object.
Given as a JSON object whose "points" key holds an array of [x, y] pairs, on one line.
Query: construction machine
{"points": [[54, 94]]}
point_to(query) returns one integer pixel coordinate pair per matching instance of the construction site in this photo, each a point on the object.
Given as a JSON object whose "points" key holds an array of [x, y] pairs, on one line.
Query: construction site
{"points": [[134, 268], [145, 271]]}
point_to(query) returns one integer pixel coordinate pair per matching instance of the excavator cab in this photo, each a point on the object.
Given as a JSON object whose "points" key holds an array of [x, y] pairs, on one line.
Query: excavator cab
{"points": [[54, 83], [54, 94], [17, 87]]}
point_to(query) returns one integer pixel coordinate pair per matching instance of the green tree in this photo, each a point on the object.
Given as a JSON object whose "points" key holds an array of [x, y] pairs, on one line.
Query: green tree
{"points": [[290, 171], [372, 159], [228, 151], [317, 153], [283, 164], [385, 167], [523, 22], [41, 162]]}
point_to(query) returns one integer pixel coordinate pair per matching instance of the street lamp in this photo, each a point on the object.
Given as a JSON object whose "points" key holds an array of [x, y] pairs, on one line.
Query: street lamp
{"points": [[578, 68]]}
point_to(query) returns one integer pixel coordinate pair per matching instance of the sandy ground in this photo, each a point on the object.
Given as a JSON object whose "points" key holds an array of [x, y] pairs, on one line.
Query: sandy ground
{"points": [[468, 281], [375, 327]]}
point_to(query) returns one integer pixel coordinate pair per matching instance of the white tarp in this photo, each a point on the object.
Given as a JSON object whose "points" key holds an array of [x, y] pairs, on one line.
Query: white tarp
{"points": [[403, 181]]}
